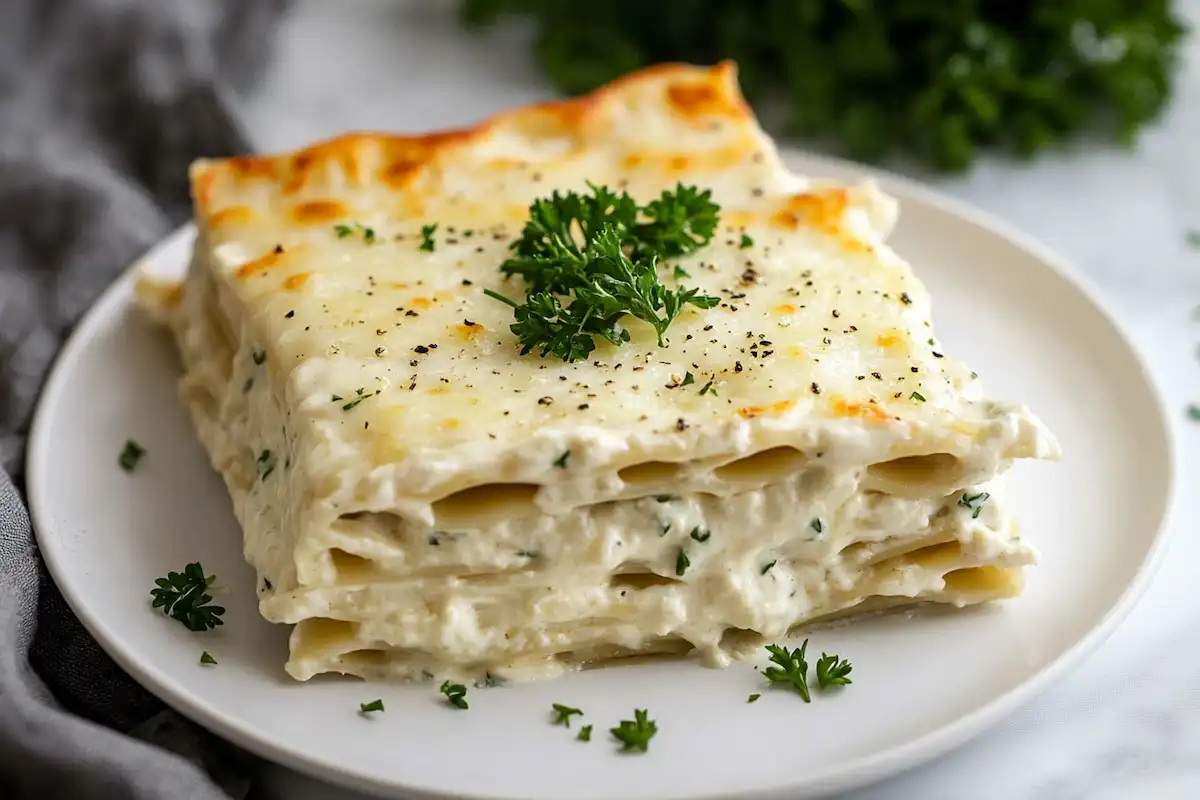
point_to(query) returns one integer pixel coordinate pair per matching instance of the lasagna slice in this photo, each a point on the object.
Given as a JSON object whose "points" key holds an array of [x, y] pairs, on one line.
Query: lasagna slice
{"points": [[419, 496]]}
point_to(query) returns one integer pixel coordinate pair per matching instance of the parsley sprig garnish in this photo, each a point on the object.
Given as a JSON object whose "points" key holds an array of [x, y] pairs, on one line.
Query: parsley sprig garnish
{"points": [[590, 260], [832, 671], [184, 596], [791, 669], [636, 733]]}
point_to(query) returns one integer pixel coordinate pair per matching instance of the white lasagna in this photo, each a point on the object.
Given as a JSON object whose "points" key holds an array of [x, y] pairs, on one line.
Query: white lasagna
{"points": [[420, 497]]}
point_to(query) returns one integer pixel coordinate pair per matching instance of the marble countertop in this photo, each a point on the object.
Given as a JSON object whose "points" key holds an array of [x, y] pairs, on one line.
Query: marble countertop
{"points": [[1127, 722]]}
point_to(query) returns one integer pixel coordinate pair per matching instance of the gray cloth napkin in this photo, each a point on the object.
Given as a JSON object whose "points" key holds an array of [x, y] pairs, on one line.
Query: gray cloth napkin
{"points": [[103, 103]]}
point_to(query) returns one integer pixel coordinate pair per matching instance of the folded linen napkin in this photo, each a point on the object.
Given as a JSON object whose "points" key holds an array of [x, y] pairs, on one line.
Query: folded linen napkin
{"points": [[103, 103]]}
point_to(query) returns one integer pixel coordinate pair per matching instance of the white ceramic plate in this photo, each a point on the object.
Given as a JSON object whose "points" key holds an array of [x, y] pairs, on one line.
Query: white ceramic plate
{"points": [[921, 685]]}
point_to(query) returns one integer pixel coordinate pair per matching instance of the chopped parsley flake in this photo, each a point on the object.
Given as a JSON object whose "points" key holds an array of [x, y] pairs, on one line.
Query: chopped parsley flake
{"points": [[681, 273], [745, 243], [248, 385], [767, 568], [917, 396], [790, 670], [343, 231], [636, 733], [427, 242], [371, 707], [753, 697], [700, 533], [681, 562], [708, 389], [207, 659], [183, 596], [131, 455], [563, 714], [561, 461], [455, 693], [585, 734], [974, 502], [817, 525], [832, 671], [1193, 412], [259, 356], [688, 379], [528, 553]]}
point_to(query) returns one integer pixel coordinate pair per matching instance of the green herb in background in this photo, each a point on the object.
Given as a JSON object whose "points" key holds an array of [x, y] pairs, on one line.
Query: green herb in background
{"points": [[934, 78]]}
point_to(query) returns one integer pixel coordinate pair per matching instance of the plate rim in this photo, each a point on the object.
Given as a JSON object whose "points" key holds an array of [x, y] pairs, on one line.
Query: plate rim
{"points": [[851, 774]]}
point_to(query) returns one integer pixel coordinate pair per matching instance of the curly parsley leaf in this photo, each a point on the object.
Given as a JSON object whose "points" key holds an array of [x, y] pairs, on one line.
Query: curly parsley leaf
{"points": [[551, 253], [680, 222], [790, 670], [832, 671], [588, 262], [183, 596], [636, 733]]}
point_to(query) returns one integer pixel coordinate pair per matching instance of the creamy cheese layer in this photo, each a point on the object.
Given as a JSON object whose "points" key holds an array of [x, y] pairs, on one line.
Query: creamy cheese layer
{"points": [[734, 594]]}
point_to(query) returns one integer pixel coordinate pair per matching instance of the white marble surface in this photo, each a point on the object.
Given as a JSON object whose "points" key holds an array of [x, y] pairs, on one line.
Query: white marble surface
{"points": [[1126, 723]]}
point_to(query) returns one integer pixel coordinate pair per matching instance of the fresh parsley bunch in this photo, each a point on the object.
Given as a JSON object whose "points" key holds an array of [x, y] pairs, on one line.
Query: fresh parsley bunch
{"points": [[934, 78], [590, 260]]}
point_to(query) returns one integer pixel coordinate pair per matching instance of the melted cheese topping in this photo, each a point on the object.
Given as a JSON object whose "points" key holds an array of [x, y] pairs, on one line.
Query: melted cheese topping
{"points": [[356, 388]]}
